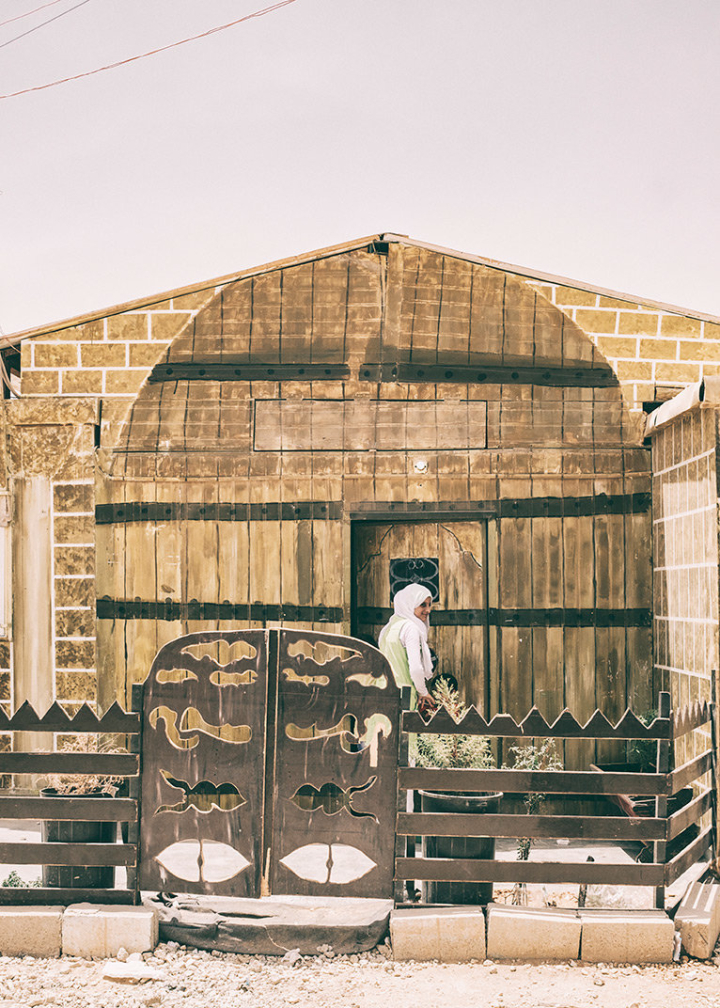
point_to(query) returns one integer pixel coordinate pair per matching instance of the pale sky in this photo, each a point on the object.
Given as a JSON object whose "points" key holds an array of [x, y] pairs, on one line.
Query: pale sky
{"points": [[576, 137]]}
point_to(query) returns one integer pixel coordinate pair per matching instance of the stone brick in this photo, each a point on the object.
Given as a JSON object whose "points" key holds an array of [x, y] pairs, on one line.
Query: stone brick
{"points": [[72, 654], [75, 560], [81, 382], [5, 654], [101, 931], [55, 355], [74, 497], [31, 931], [676, 325], [130, 326], [638, 322], [611, 302], [78, 529], [71, 593], [94, 330], [677, 374], [125, 381], [622, 936], [5, 691], [166, 327], [658, 349], [711, 330], [617, 346], [633, 371], [76, 685], [196, 300], [572, 296], [527, 933], [699, 350], [146, 354], [74, 623], [103, 355], [596, 321], [40, 382], [448, 934], [698, 919]]}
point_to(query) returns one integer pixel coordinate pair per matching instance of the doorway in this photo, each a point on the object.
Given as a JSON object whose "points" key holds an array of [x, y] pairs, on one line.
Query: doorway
{"points": [[450, 558]]}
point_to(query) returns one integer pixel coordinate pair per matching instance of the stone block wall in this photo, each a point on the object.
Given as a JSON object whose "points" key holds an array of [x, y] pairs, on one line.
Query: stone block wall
{"points": [[685, 526]]}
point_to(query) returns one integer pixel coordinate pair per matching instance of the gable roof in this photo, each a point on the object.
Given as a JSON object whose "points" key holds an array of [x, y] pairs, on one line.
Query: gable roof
{"points": [[333, 250]]}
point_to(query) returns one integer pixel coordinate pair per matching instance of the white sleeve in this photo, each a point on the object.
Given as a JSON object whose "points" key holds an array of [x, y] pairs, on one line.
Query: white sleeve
{"points": [[410, 639]]}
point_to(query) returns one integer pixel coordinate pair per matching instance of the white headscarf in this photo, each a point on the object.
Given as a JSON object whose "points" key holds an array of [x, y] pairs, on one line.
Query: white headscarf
{"points": [[405, 603]]}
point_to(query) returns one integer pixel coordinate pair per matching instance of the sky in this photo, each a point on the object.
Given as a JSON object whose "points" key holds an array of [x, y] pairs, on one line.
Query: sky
{"points": [[573, 137]]}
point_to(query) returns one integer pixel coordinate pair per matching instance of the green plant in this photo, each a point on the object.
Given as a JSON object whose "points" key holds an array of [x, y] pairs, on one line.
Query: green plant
{"points": [[644, 751], [13, 881], [534, 757], [452, 751]]}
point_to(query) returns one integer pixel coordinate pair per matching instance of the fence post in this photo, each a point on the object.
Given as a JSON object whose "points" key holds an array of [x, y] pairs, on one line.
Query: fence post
{"points": [[662, 766], [135, 791], [404, 846]]}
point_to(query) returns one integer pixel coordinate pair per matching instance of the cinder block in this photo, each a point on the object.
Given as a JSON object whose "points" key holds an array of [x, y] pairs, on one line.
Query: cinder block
{"points": [[30, 930], [622, 936], [94, 930], [449, 934], [698, 919], [529, 933]]}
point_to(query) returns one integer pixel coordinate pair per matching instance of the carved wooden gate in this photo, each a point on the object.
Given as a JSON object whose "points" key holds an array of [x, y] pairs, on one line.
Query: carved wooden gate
{"points": [[269, 764]]}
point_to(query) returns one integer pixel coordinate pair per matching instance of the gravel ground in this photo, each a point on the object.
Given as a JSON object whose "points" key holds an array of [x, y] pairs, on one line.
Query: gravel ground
{"points": [[196, 979]]}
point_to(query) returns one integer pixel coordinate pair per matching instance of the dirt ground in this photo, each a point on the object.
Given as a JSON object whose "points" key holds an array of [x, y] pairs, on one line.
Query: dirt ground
{"points": [[195, 979]]}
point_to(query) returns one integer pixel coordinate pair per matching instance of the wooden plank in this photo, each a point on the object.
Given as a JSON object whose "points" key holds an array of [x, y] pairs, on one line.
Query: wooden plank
{"points": [[571, 827], [682, 861], [85, 854], [140, 583], [87, 809], [690, 771], [691, 717], [543, 872], [88, 763], [689, 814], [531, 725], [521, 781], [50, 896]]}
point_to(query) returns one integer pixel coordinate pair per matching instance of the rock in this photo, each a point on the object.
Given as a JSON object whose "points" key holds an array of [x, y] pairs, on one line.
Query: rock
{"points": [[131, 972], [121, 954], [292, 957]]}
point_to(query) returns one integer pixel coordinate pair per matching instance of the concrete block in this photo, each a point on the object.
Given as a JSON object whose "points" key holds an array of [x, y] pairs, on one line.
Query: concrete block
{"points": [[30, 930], [90, 929], [449, 934], [530, 933], [698, 919], [622, 936]]}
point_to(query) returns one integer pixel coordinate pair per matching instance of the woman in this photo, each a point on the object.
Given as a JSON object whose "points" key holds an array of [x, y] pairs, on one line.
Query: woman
{"points": [[404, 642]]}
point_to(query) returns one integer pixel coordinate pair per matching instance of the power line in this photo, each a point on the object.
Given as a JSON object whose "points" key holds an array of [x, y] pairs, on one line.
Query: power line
{"points": [[19, 17], [152, 52], [43, 23]]}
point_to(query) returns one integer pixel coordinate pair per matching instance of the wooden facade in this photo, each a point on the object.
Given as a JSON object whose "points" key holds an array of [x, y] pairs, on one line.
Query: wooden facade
{"points": [[313, 426]]}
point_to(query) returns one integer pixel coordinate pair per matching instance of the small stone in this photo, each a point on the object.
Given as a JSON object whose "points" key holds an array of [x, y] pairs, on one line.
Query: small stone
{"points": [[292, 957], [134, 957], [493, 969], [599, 982], [131, 972], [122, 954], [255, 967]]}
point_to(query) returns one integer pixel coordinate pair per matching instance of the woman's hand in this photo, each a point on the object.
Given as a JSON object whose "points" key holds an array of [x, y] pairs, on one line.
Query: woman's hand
{"points": [[426, 704]]}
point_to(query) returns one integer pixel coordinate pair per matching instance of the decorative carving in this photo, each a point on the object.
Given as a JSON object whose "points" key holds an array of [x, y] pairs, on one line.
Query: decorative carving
{"points": [[331, 798]]}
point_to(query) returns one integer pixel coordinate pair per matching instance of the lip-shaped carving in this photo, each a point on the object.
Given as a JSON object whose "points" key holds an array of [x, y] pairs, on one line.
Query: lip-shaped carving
{"points": [[347, 729], [321, 862], [309, 680], [174, 675], [366, 679], [202, 860], [221, 651], [203, 796], [193, 721], [321, 652], [331, 798]]}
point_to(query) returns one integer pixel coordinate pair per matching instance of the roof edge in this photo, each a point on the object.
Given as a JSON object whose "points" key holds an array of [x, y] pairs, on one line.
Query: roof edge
{"points": [[333, 250]]}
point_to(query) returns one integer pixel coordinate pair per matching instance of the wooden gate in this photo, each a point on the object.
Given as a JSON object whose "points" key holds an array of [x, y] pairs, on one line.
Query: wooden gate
{"points": [[269, 766], [450, 558]]}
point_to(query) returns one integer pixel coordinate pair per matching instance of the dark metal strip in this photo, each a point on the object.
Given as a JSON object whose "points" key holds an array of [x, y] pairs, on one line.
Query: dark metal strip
{"points": [[521, 617], [139, 511], [477, 374], [131, 609], [528, 507], [248, 372]]}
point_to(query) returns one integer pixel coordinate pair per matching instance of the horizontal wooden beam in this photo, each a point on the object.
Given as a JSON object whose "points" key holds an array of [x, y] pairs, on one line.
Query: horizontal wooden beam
{"points": [[132, 609], [85, 854], [689, 814], [50, 896], [69, 763], [534, 725], [690, 771], [524, 781], [56, 719], [70, 807], [552, 826], [687, 857], [547, 872]]}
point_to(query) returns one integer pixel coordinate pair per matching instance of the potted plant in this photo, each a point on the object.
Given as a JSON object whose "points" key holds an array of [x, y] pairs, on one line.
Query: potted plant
{"points": [[456, 752], [76, 785]]}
